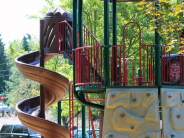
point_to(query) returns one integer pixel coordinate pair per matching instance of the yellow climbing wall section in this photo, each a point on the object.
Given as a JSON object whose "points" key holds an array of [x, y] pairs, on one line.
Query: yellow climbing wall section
{"points": [[131, 113], [172, 112]]}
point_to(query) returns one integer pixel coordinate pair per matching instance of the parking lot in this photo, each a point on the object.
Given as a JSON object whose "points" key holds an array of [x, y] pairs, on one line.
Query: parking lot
{"points": [[6, 119]]}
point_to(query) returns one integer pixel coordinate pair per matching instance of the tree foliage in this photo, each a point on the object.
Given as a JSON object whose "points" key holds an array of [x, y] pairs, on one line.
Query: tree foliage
{"points": [[4, 70], [25, 44], [60, 65], [18, 87], [167, 19]]}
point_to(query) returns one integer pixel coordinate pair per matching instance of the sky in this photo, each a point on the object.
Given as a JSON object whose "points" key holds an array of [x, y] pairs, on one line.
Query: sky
{"points": [[13, 21]]}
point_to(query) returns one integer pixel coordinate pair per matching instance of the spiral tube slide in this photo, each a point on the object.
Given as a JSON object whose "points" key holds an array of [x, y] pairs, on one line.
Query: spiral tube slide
{"points": [[55, 86]]}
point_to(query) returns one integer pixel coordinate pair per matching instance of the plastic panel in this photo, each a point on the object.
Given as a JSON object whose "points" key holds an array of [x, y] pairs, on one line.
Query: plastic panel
{"points": [[131, 113], [173, 112]]}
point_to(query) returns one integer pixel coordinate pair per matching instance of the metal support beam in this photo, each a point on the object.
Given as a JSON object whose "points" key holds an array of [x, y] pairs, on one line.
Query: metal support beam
{"points": [[157, 56], [42, 93], [59, 112], [80, 23], [106, 42], [80, 4], [74, 26], [114, 22], [157, 60]]}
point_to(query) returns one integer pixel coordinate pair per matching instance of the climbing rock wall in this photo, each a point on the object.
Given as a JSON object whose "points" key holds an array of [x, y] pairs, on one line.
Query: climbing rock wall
{"points": [[173, 112], [131, 113]]}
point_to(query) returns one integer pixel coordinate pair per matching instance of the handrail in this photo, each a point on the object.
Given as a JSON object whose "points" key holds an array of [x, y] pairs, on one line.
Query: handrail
{"points": [[65, 39], [90, 119], [71, 115], [87, 37], [91, 58], [120, 55], [88, 65]]}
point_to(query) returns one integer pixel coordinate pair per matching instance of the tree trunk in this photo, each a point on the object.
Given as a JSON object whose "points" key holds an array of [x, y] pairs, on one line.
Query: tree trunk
{"points": [[65, 121]]}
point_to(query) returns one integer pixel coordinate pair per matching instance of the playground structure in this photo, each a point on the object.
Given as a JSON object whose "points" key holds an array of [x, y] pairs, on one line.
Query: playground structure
{"points": [[131, 102]]}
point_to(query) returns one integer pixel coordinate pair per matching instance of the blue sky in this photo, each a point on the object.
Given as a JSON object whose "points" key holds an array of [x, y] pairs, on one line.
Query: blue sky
{"points": [[13, 21]]}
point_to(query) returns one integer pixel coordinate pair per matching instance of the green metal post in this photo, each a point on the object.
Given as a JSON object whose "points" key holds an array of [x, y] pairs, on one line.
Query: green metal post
{"points": [[139, 75], [114, 22], [74, 26], [80, 22], [83, 117], [106, 42], [59, 112], [80, 45], [157, 57], [157, 60], [83, 121]]}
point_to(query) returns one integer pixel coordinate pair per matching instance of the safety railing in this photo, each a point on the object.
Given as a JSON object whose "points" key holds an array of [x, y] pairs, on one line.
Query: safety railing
{"points": [[88, 38], [172, 64], [75, 127], [118, 77], [165, 66], [88, 66], [146, 63], [65, 39], [71, 110], [182, 70], [143, 62], [146, 66], [118, 65], [152, 70]]}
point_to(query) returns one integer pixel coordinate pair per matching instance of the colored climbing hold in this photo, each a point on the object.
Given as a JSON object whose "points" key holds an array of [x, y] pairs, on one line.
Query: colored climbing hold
{"points": [[178, 116], [110, 136], [148, 94], [113, 96], [134, 100], [122, 116]]}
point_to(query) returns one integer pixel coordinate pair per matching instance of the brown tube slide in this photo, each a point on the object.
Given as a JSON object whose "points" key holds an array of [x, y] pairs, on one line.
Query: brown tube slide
{"points": [[55, 86]]}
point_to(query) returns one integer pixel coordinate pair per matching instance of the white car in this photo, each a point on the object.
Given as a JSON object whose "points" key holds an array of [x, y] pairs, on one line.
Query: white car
{"points": [[4, 108]]}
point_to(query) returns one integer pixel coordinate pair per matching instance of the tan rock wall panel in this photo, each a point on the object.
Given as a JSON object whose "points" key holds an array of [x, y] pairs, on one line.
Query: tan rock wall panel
{"points": [[172, 112], [131, 113]]}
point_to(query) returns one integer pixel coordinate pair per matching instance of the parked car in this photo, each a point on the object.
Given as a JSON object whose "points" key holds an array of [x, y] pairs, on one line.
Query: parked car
{"points": [[17, 131], [91, 133], [4, 108], [86, 133]]}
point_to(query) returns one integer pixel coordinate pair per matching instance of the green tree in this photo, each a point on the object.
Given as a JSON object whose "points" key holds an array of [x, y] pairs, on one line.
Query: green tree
{"points": [[25, 44], [4, 70], [167, 20], [60, 65], [18, 87]]}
